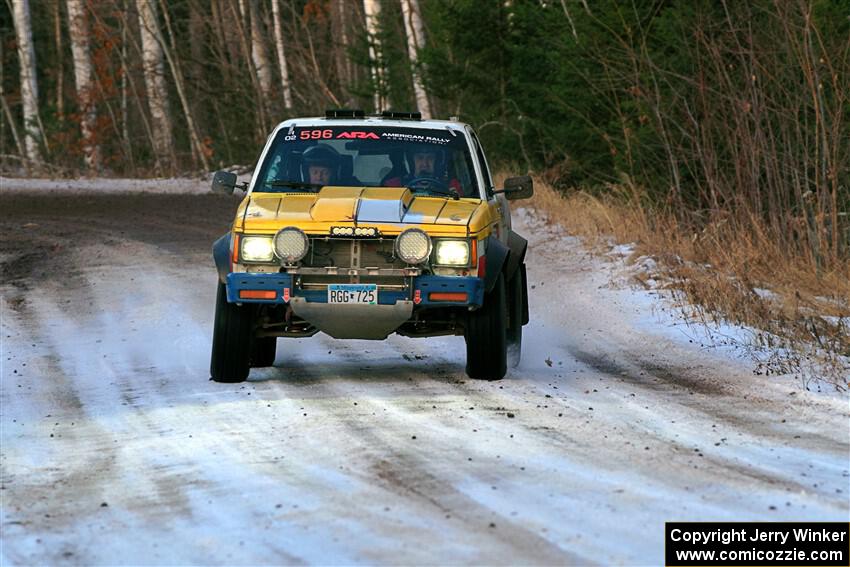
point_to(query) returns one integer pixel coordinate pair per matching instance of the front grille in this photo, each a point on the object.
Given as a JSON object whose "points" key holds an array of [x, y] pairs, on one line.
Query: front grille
{"points": [[319, 281], [350, 253], [367, 257]]}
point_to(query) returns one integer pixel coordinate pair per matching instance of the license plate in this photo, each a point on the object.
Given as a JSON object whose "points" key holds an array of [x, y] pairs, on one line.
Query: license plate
{"points": [[353, 293]]}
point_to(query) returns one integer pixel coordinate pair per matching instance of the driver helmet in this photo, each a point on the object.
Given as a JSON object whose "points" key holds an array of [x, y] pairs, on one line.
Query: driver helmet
{"points": [[321, 155], [439, 158]]}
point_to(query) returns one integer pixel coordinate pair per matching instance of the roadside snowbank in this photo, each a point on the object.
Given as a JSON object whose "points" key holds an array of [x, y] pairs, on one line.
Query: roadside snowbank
{"points": [[660, 313]]}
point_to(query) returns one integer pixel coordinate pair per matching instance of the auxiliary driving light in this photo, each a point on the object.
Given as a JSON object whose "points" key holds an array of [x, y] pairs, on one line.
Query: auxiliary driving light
{"points": [[362, 231], [413, 246], [291, 244]]}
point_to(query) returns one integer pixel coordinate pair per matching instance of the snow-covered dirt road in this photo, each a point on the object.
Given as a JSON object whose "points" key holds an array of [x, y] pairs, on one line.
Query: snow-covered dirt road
{"points": [[117, 449]]}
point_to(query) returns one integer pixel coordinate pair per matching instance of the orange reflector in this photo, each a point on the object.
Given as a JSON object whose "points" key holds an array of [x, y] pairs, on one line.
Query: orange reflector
{"points": [[447, 296], [257, 294], [234, 258]]}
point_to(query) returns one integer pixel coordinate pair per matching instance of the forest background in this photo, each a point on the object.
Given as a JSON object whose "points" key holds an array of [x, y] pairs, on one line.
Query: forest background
{"points": [[714, 133]]}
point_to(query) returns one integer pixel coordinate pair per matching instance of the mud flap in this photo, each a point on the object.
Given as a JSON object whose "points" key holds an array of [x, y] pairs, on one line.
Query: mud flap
{"points": [[525, 315], [497, 255], [518, 246], [500, 257], [221, 256]]}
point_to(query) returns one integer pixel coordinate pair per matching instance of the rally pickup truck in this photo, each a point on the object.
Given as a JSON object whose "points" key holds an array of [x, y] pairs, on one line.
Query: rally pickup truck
{"points": [[362, 226]]}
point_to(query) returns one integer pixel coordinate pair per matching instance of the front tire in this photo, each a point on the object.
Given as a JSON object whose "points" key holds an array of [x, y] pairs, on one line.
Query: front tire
{"points": [[232, 333], [263, 352], [486, 336]]}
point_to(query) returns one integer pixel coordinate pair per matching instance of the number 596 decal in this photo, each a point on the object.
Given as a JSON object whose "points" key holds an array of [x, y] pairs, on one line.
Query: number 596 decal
{"points": [[316, 134]]}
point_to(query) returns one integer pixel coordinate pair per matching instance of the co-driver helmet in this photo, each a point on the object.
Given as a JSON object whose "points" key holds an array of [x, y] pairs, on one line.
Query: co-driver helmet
{"points": [[439, 157]]}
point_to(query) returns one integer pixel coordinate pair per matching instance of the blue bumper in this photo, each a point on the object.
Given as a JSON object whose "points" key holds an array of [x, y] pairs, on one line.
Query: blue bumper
{"points": [[419, 290]]}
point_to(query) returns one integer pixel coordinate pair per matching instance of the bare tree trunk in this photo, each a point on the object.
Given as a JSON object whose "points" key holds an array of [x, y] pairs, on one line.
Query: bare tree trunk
{"points": [[198, 150], [29, 84], [242, 12], [259, 55], [281, 55], [129, 39], [261, 124], [340, 23], [8, 112], [317, 71], [345, 26], [222, 26], [415, 42], [60, 75], [11, 119], [125, 126], [197, 15], [569, 19], [372, 9], [157, 90], [78, 28]]}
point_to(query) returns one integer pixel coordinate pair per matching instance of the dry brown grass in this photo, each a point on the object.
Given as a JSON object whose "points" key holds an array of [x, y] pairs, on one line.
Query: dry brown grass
{"points": [[725, 272]]}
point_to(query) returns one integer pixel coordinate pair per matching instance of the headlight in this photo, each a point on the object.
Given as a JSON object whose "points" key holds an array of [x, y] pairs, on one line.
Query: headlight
{"points": [[452, 252], [413, 246], [257, 249], [291, 244]]}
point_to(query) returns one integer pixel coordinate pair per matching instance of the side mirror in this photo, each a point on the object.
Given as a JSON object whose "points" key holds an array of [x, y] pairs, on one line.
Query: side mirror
{"points": [[521, 187], [224, 182]]}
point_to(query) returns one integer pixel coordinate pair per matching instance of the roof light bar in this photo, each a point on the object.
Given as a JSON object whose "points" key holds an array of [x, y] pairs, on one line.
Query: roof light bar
{"points": [[401, 115], [344, 113]]}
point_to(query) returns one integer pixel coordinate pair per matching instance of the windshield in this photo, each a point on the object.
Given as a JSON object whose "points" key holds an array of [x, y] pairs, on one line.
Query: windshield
{"points": [[429, 162]]}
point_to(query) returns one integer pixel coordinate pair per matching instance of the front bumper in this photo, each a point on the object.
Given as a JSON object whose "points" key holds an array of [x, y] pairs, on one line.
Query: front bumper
{"points": [[418, 289]]}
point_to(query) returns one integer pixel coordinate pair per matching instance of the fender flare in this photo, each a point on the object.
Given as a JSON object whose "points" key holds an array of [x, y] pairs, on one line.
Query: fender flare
{"points": [[496, 258], [221, 256], [502, 258]]}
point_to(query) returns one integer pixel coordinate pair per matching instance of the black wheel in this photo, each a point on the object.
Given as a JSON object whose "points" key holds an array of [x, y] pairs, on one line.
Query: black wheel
{"points": [[516, 308], [263, 352], [231, 346], [486, 336]]}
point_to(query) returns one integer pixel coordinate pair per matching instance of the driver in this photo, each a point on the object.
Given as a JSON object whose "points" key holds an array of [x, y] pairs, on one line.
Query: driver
{"points": [[424, 162], [320, 165]]}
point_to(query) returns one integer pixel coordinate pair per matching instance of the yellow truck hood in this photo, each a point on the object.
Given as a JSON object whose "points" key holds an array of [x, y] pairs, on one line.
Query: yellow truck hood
{"points": [[391, 209]]}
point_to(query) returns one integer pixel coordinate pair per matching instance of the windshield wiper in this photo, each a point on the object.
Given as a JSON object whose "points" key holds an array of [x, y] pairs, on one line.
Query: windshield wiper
{"points": [[447, 192], [294, 184]]}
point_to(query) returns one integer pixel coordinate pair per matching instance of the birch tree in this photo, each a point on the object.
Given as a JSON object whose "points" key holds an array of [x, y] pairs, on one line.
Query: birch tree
{"points": [[372, 9], [259, 55], [29, 83], [281, 55], [78, 31], [157, 91], [415, 42]]}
